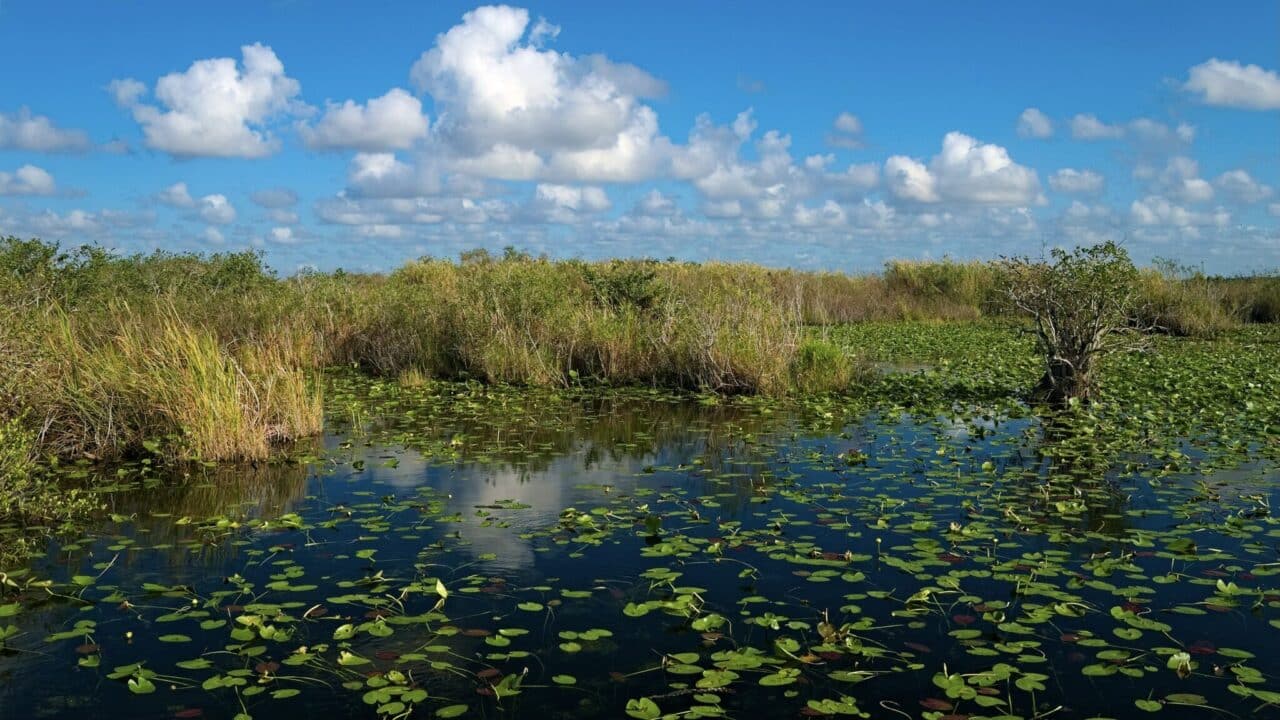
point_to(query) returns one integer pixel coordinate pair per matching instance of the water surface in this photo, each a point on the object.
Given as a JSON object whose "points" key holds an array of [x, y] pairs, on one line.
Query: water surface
{"points": [[606, 554]]}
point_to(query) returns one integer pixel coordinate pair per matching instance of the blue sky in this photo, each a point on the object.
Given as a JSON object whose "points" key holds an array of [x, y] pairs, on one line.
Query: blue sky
{"points": [[821, 136]]}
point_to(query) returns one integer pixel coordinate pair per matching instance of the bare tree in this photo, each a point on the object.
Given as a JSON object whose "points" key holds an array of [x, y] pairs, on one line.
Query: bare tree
{"points": [[1081, 304]]}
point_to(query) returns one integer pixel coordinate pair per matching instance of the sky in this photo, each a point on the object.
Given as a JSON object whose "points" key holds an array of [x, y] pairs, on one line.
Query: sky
{"points": [[822, 136]]}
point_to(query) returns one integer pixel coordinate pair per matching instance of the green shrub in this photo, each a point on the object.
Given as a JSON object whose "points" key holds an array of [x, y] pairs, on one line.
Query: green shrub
{"points": [[1080, 305]]}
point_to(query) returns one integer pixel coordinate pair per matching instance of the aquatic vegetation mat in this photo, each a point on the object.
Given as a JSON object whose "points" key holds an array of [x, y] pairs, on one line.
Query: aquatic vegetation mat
{"points": [[929, 549]]}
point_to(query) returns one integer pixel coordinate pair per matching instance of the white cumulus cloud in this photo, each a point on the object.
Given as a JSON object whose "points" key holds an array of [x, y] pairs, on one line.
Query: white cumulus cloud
{"points": [[1034, 124], [1181, 180], [216, 108], [566, 203], [217, 210], [509, 108], [846, 131], [1231, 84], [24, 131], [176, 195], [1240, 186], [1154, 210], [1070, 180], [1087, 126], [394, 121], [965, 171], [27, 180], [1145, 133], [909, 179]]}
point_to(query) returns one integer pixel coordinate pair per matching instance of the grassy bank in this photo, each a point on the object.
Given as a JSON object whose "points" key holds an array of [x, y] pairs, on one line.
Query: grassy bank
{"points": [[215, 358], [1177, 300]]}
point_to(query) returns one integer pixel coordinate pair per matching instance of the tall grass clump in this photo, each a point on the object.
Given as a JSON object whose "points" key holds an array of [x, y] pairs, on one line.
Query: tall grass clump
{"points": [[1257, 298], [532, 321], [1182, 301], [106, 391], [942, 289], [829, 298], [820, 366]]}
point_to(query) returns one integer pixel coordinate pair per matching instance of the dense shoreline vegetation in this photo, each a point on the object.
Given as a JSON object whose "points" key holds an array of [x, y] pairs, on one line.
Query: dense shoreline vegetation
{"points": [[215, 358]]}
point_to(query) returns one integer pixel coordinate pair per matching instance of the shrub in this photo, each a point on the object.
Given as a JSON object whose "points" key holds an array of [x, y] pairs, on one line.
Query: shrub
{"points": [[1080, 304]]}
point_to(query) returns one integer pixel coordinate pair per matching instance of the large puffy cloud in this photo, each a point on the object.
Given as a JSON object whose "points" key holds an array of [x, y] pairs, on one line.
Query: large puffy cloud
{"points": [[1231, 84], [1070, 180], [27, 180], [909, 179], [509, 108], [1034, 124], [215, 108], [24, 131], [965, 171], [394, 121]]}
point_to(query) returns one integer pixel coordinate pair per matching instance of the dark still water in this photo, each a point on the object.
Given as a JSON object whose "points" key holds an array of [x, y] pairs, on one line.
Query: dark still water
{"points": [[465, 553]]}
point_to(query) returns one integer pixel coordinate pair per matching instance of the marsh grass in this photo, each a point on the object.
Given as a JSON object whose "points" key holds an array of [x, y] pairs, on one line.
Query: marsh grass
{"points": [[942, 290], [105, 390], [1184, 302], [217, 358], [214, 358]]}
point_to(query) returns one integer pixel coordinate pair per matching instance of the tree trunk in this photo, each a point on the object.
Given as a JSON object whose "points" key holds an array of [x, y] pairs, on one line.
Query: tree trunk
{"points": [[1063, 381]]}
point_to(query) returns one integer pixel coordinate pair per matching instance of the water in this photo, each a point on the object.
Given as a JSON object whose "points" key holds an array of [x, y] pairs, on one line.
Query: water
{"points": [[717, 559]]}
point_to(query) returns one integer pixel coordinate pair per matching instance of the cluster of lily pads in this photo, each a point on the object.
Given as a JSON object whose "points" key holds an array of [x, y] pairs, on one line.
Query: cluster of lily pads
{"points": [[930, 548]]}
